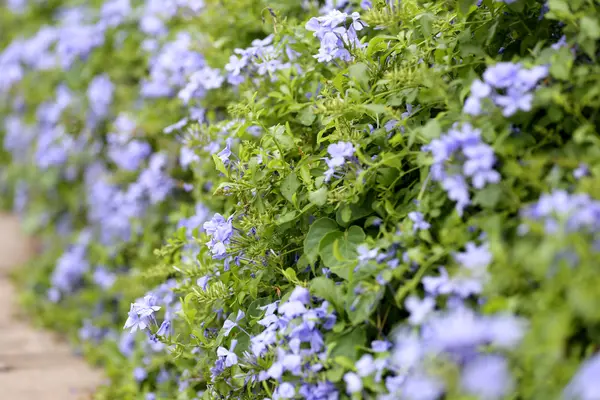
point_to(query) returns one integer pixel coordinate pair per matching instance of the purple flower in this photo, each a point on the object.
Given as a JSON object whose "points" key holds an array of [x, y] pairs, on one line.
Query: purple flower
{"points": [[380, 346], [419, 309], [353, 382], [472, 106], [164, 329], [229, 357], [581, 171], [300, 294], [475, 258], [585, 384], [366, 365], [104, 278], [203, 282], [226, 152], [480, 90], [562, 42], [334, 36], [134, 321], [509, 86], [100, 94], [339, 152], [285, 391], [421, 387], [462, 146], [220, 231], [147, 307], [502, 75], [418, 220], [390, 125], [229, 324], [487, 378], [140, 374]]}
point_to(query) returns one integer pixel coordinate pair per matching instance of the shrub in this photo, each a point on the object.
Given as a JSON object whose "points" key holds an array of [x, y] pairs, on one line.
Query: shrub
{"points": [[283, 199]]}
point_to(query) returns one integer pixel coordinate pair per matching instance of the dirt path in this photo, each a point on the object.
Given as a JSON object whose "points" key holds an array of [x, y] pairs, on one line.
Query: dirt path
{"points": [[34, 365]]}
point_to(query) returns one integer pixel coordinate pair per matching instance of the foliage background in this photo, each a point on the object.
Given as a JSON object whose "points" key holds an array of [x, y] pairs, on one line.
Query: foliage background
{"points": [[365, 240]]}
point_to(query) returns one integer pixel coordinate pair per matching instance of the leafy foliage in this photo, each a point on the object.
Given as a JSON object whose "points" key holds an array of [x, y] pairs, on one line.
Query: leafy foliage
{"points": [[321, 200]]}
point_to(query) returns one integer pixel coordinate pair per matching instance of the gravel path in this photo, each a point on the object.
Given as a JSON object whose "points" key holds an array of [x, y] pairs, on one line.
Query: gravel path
{"points": [[34, 365]]}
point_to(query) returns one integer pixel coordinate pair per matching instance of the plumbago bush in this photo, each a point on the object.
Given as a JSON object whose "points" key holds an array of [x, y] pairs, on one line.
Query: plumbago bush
{"points": [[318, 200]]}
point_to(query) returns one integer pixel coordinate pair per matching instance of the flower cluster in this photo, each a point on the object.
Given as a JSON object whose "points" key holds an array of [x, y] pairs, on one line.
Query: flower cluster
{"points": [[562, 210], [200, 81], [142, 313], [419, 311], [294, 335], [112, 208], [127, 153], [508, 85], [469, 279], [260, 59], [339, 153], [458, 155], [585, 385], [70, 268], [171, 67], [453, 336], [220, 231], [336, 35]]}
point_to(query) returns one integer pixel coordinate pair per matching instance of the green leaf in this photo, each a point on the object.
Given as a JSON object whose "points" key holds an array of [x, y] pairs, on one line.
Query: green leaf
{"points": [[360, 72], [290, 275], [283, 138], [326, 289], [289, 185], [360, 308], [393, 160], [287, 217], [347, 214], [489, 196], [464, 6], [318, 197], [219, 165], [317, 231], [348, 344], [561, 65], [374, 108], [338, 250], [590, 27], [306, 117]]}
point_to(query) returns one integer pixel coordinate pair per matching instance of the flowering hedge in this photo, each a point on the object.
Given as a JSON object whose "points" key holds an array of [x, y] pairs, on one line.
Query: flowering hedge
{"points": [[311, 200]]}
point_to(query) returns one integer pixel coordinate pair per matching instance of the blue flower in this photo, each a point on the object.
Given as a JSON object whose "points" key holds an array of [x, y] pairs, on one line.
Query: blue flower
{"points": [[418, 220], [100, 94], [422, 387], [285, 391], [419, 309], [220, 231], [226, 152], [147, 307], [581, 171], [300, 294], [104, 278], [585, 384], [462, 146], [353, 382], [140, 374], [229, 357], [487, 377], [164, 329], [134, 321], [380, 346], [229, 324], [502, 75]]}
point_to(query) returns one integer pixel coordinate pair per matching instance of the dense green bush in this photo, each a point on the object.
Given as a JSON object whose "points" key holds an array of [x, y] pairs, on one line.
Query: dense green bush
{"points": [[287, 199]]}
